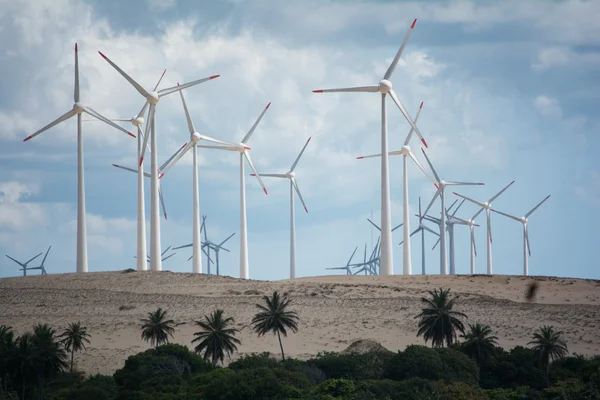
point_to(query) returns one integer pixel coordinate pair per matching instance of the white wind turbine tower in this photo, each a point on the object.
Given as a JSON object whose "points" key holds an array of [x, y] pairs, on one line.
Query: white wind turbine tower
{"points": [[153, 98], [78, 109], [487, 207], [523, 220], [291, 175], [195, 137], [441, 185], [244, 153], [385, 87], [422, 228], [406, 152]]}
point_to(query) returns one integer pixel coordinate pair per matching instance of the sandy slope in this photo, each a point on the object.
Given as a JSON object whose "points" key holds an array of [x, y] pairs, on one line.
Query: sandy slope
{"points": [[334, 310]]}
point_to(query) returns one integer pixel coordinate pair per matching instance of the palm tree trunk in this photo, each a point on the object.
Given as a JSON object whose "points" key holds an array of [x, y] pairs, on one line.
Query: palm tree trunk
{"points": [[281, 346], [547, 374], [72, 356]]}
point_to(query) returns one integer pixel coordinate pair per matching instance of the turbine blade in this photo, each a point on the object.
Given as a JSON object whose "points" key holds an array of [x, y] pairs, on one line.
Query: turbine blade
{"points": [[370, 89], [406, 115], [536, 207], [46, 256], [160, 79], [251, 131], [167, 249], [489, 226], [18, 262], [57, 121], [223, 242], [230, 148], [191, 127], [125, 168], [409, 136], [374, 224], [437, 193], [76, 92], [437, 177], [271, 175], [507, 215], [500, 192], [436, 243], [480, 204], [32, 258], [173, 89], [412, 156], [392, 66], [350, 259], [186, 148], [299, 155], [183, 247], [249, 159], [93, 113], [454, 212], [431, 230], [397, 226], [162, 202], [464, 183], [167, 257], [213, 140], [162, 167], [295, 184], [147, 133], [390, 153], [136, 85]]}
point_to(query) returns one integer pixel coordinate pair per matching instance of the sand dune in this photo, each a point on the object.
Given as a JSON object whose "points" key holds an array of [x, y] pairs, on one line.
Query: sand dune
{"points": [[334, 310]]}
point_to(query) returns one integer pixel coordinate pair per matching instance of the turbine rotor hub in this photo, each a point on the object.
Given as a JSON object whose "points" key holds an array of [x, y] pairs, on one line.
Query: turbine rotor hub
{"points": [[137, 121], [78, 107], [196, 137], [153, 99], [385, 86], [291, 174]]}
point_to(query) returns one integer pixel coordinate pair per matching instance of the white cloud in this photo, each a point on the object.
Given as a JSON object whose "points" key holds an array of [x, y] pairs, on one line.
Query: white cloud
{"points": [[161, 5], [548, 106]]}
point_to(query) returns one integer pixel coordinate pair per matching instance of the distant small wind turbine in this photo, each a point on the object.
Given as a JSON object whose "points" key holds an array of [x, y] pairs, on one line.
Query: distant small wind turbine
{"points": [[291, 175], [347, 267], [422, 228], [523, 220], [24, 265], [487, 206]]}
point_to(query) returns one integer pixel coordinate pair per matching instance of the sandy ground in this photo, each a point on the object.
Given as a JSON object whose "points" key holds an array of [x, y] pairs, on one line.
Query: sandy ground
{"points": [[334, 310]]}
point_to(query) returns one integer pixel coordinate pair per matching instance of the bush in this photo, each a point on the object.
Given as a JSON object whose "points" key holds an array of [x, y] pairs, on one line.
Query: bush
{"points": [[433, 364]]}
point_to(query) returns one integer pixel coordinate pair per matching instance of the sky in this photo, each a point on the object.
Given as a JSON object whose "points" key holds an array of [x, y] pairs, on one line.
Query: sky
{"points": [[510, 91]]}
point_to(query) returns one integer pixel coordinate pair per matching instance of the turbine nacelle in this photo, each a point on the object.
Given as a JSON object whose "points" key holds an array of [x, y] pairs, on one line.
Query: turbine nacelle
{"points": [[405, 150], [153, 98], [385, 86], [291, 174], [78, 107], [137, 121], [196, 137]]}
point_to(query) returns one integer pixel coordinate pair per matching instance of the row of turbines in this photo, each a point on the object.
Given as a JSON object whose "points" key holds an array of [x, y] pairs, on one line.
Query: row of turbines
{"points": [[146, 116]]}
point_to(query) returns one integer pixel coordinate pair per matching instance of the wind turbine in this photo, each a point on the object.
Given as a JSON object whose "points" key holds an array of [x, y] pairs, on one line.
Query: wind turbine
{"points": [[347, 267], [471, 223], [149, 260], [243, 149], [291, 175], [195, 137], [440, 192], [385, 87], [451, 221], [153, 98], [487, 207], [24, 265], [42, 267], [406, 152], [78, 109], [138, 121], [422, 228], [523, 220]]}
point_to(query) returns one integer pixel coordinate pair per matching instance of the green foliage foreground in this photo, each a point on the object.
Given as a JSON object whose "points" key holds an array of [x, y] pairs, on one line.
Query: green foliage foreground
{"points": [[172, 372]]}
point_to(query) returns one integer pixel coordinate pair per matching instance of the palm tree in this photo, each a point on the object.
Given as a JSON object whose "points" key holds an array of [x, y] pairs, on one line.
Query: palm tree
{"points": [[26, 361], [216, 337], [7, 348], [479, 342], [74, 339], [274, 317], [550, 346], [156, 328], [50, 355], [438, 322]]}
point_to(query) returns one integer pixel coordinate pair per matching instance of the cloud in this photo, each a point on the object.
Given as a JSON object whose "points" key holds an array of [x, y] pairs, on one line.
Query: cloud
{"points": [[161, 5], [548, 107]]}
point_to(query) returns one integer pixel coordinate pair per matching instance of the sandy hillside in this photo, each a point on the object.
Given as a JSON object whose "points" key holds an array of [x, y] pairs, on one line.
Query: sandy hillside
{"points": [[334, 310]]}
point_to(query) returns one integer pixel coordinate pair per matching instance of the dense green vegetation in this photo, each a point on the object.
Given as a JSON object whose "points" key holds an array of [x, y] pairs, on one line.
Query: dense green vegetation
{"points": [[38, 364]]}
